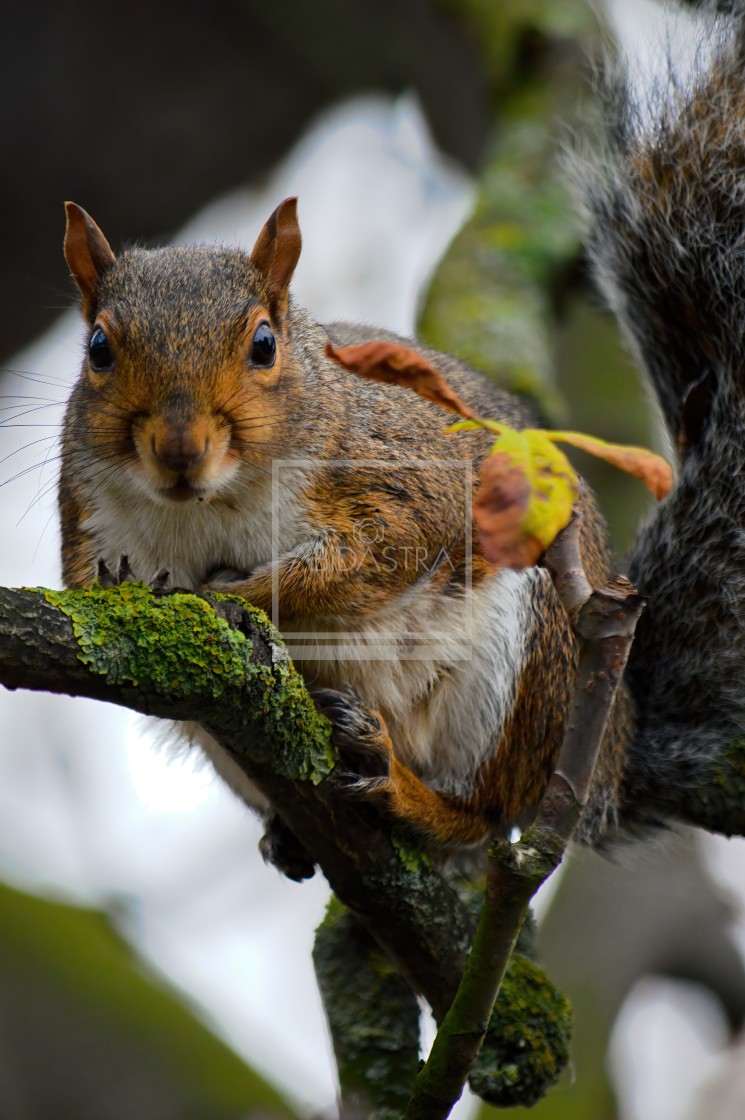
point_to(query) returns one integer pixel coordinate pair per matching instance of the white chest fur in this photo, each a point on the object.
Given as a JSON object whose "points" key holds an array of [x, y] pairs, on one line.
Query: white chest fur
{"points": [[443, 671], [241, 528]]}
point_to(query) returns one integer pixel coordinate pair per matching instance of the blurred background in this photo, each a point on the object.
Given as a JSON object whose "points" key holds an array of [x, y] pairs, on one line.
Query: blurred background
{"points": [[150, 964]]}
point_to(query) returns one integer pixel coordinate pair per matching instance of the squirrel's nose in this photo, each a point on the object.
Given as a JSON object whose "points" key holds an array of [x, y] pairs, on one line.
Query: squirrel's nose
{"points": [[179, 449]]}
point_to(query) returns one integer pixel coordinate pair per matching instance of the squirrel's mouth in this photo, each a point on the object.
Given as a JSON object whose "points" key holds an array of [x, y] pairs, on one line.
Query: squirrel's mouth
{"points": [[183, 491]]}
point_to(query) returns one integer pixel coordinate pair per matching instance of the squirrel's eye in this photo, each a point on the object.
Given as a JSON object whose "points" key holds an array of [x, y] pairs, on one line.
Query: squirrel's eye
{"points": [[99, 352], [263, 347]]}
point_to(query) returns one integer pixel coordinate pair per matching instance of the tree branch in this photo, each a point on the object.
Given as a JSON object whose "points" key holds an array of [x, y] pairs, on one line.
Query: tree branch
{"points": [[604, 622], [373, 1017], [176, 657]]}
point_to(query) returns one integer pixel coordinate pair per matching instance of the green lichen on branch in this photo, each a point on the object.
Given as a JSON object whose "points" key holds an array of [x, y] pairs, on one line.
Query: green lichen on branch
{"points": [[527, 1043], [373, 1017], [175, 642], [413, 859], [509, 1071], [176, 648]]}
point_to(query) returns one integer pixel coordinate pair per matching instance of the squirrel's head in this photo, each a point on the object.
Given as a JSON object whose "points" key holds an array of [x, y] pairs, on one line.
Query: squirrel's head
{"points": [[185, 352]]}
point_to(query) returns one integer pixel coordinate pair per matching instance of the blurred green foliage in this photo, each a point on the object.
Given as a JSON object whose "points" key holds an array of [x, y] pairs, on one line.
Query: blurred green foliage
{"points": [[88, 1032]]}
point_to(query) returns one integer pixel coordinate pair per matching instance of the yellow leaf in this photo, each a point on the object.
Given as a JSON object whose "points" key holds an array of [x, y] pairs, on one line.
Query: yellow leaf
{"points": [[525, 498], [463, 426], [477, 422], [554, 488]]}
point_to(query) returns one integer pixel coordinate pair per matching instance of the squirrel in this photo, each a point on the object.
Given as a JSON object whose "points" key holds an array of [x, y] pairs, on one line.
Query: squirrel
{"points": [[200, 373], [203, 382]]}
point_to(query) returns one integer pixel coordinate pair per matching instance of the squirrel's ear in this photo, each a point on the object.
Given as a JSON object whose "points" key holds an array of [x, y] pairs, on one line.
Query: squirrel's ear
{"points": [[276, 253], [88, 255]]}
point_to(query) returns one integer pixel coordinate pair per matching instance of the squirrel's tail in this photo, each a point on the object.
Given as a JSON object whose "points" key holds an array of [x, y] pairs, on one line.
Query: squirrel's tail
{"points": [[667, 231], [666, 238]]}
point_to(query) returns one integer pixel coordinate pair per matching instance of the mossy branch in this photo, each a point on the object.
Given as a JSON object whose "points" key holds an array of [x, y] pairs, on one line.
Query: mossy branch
{"points": [[373, 1017], [176, 657], [222, 664]]}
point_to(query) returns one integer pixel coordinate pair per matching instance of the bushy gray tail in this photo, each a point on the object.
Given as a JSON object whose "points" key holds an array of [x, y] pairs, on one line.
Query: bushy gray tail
{"points": [[666, 238]]}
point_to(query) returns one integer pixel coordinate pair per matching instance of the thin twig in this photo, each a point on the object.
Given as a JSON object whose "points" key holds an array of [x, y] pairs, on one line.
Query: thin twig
{"points": [[604, 621]]}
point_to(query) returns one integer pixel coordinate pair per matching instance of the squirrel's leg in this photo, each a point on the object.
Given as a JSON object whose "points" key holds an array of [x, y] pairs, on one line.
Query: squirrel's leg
{"points": [[281, 848], [315, 580], [361, 737]]}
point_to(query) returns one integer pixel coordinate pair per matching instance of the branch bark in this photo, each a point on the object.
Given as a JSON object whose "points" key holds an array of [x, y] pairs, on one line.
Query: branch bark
{"points": [[373, 1016]]}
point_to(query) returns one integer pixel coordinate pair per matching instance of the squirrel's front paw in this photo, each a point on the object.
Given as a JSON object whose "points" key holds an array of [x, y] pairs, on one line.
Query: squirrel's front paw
{"points": [[361, 738], [123, 573], [160, 584]]}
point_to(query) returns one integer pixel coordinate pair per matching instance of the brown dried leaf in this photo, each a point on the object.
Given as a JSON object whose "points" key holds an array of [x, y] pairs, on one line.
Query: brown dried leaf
{"points": [[499, 509], [395, 364], [654, 471]]}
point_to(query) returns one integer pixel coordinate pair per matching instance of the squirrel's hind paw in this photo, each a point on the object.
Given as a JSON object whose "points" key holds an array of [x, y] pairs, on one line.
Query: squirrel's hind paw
{"points": [[280, 847], [361, 738]]}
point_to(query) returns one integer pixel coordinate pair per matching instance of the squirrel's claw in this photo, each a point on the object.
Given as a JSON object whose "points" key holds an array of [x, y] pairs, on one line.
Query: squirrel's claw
{"points": [[104, 575], [355, 786], [280, 847], [161, 581], [159, 585], [361, 738], [123, 574]]}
